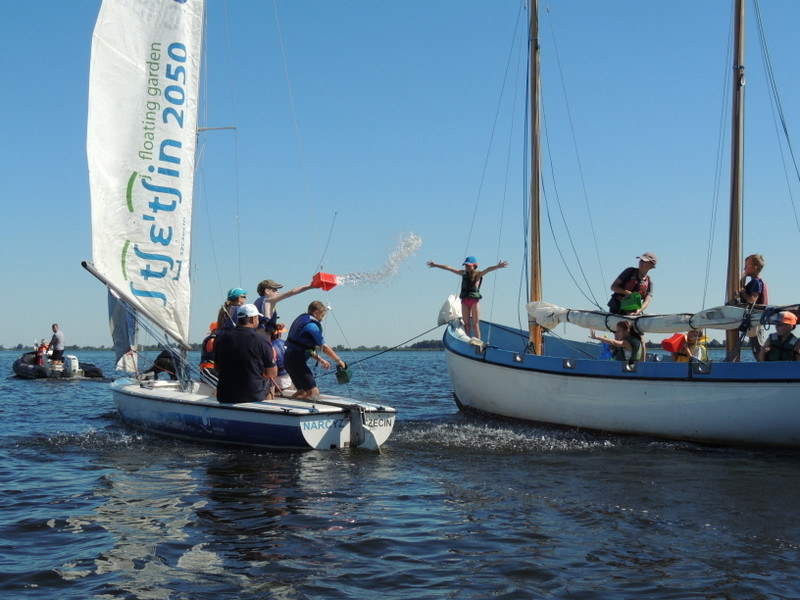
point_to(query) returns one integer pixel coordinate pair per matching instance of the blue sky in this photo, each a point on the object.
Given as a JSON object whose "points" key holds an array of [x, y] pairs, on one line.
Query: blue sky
{"points": [[395, 104]]}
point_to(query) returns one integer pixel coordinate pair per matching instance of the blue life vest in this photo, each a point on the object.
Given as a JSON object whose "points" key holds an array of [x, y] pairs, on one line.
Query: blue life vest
{"points": [[280, 350], [301, 340], [264, 322]]}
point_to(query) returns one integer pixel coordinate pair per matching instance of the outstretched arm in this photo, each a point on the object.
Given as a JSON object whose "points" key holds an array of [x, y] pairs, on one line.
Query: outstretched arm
{"points": [[293, 292], [432, 264], [501, 265]]}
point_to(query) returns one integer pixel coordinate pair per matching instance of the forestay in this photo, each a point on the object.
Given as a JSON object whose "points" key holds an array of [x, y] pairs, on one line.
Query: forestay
{"points": [[143, 93]]}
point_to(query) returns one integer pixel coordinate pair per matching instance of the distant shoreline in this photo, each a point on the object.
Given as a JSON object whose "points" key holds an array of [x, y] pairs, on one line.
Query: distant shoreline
{"points": [[424, 346]]}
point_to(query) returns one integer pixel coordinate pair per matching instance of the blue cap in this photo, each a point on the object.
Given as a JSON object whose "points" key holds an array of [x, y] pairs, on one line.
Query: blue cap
{"points": [[234, 293], [470, 260]]}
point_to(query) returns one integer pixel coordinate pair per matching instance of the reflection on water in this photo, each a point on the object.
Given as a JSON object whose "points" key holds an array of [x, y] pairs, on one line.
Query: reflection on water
{"points": [[454, 507]]}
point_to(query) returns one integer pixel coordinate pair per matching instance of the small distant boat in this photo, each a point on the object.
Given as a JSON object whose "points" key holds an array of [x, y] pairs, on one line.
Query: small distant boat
{"points": [[145, 69], [27, 367]]}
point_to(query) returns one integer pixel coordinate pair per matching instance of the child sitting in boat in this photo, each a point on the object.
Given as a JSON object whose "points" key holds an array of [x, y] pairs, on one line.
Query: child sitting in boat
{"points": [[782, 345], [691, 346], [627, 345]]}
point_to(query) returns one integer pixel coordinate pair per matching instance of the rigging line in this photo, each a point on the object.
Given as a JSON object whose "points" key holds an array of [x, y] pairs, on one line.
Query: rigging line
{"points": [[521, 52], [575, 148], [200, 157], [593, 299], [349, 346], [494, 128], [776, 105], [235, 146], [525, 278], [306, 183], [722, 129], [570, 343], [327, 242], [371, 356]]}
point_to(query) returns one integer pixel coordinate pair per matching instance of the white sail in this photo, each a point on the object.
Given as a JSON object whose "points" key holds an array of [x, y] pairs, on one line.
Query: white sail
{"points": [[721, 317], [141, 141]]}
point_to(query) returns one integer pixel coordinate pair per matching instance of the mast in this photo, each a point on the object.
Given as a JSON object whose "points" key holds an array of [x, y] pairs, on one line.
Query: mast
{"points": [[536, 168], [737, 175]]}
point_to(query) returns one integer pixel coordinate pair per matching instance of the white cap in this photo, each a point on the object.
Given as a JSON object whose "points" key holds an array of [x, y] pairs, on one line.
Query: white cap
{"points": [[247, 310]]}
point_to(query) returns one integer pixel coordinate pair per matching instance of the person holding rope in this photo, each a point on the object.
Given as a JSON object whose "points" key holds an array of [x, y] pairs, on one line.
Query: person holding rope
{"points": [[303, 340], [471, 279]]}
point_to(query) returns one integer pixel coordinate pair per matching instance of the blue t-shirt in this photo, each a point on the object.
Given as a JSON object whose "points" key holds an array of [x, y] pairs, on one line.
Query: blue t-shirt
{"points": [[241, 357]]}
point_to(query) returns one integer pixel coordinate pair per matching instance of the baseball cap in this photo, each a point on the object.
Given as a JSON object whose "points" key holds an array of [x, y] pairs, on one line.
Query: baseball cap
{"points": [[234, 293], [649, 257], [247, 310]]}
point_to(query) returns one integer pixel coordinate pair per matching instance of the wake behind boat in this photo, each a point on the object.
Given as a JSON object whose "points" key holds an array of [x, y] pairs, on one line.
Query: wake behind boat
{"points": [[534, 376], [145, 69]]}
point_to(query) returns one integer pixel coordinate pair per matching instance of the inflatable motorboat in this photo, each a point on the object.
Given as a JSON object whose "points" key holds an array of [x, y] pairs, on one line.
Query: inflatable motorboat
{"points": [[27, 366]]}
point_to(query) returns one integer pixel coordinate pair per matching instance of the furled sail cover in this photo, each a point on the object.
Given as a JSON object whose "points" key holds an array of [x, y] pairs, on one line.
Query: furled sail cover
{"points": [[721, 317], [141, 140]]}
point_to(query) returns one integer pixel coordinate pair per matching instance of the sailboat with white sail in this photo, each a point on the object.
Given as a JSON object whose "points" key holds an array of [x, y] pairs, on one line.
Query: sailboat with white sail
{"points": [[533, 376], [141, 146]]}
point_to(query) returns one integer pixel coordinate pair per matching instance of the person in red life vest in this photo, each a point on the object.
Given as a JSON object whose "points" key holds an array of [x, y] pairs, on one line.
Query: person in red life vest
{"points": [[41, 349], [633, 280], [471, 279], [782, 345], [208, 372], [753, 290]]}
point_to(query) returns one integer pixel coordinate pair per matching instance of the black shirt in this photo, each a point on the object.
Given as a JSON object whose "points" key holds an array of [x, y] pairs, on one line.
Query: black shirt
{"points": [[242, 356]]}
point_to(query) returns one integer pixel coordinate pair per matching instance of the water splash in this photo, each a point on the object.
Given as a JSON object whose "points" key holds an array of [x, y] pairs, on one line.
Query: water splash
{"points": [[407, 246]]}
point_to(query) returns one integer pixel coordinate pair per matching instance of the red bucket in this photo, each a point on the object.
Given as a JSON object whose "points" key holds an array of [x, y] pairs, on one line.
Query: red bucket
{"points": [[325, 281], [674, 343]]}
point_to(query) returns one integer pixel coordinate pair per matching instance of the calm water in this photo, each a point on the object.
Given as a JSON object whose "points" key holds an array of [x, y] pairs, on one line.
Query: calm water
{"points": [[454, 507]]}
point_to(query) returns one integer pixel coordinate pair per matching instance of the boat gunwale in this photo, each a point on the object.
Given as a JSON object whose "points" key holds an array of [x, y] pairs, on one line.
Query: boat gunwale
{"points": [[123, 386], [450, 343]]}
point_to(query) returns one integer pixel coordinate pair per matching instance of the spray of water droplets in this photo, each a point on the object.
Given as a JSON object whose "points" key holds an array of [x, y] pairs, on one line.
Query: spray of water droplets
{"points": [[407, 246]]}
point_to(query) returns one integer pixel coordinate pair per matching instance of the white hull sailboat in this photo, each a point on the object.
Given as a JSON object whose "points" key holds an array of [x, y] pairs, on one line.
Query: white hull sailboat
{"points": [[533, 377], [141, 145]]}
